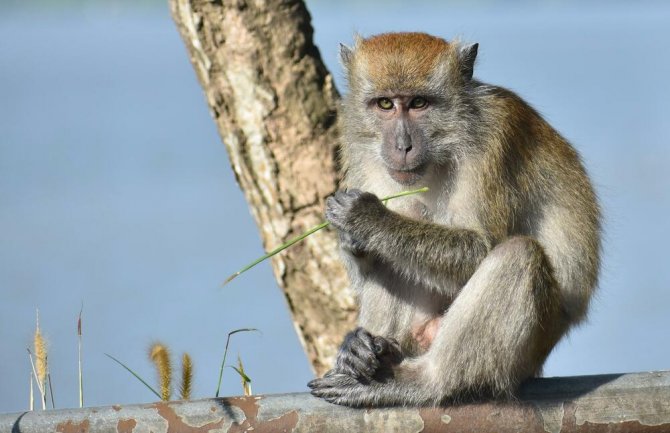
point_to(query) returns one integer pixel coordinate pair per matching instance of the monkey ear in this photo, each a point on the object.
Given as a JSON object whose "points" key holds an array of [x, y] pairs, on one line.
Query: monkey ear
{"points": [[346, 54], [467, 55]]}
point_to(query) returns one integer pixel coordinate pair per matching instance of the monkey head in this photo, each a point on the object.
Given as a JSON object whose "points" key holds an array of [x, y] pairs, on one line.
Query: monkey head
{"points": [[406, 101]]}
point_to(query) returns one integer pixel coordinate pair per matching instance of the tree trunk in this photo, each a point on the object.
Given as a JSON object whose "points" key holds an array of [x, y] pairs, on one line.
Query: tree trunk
{"points": [[274, 104]]}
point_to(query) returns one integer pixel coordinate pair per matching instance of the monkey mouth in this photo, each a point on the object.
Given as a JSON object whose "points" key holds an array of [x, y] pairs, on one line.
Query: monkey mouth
{"points": [[407, 176]]}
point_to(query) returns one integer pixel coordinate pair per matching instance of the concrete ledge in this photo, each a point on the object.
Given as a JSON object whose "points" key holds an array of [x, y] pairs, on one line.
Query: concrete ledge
{"points": [[631, 403]]}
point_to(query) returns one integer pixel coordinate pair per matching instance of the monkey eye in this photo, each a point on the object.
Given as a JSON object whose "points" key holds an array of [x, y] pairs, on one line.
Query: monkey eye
{"points": [[384, 103], [418, 102]]}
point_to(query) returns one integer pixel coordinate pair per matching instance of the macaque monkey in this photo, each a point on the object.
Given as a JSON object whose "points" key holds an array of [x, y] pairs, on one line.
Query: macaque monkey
{"points": [[463, 290]]}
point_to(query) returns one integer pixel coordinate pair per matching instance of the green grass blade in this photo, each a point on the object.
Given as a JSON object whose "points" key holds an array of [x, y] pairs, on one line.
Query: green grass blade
{"points": [[241, 373], [404, 193], [134, 374], [225, 353], [279, 249], [314, 229]]}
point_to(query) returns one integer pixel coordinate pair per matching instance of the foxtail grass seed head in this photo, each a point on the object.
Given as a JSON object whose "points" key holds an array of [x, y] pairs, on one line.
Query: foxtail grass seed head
{"points": [[160, 356], [40, 347], [186, 376]]}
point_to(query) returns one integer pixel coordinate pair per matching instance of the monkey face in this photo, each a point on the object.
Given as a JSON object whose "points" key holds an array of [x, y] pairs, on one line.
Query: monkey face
{"points": [[403, 148]]}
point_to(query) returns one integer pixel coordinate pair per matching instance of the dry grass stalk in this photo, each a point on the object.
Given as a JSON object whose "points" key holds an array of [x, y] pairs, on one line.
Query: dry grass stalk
{"points": [[79, 369], [31, 402]]}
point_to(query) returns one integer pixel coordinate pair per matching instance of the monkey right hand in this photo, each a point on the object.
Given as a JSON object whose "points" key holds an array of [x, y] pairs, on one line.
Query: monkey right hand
{"points": [[346, 211], [364, 356]]}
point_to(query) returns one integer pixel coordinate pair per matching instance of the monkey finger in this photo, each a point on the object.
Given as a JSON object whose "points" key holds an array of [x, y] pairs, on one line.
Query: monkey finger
{"points": [[344, 199], [381, 345], [358, 368], [324, 382], [359, 338], [385, 346], [334, 381], [333, 216], [352, 193], [331, 205], [356, 195], [319, 384], [352, 395], [360, 349], [327, 393], [330, 372], [357, 356], [333, 202], [359, 353], [366, 345], [315, 383], [365, 336], [395, 351]]}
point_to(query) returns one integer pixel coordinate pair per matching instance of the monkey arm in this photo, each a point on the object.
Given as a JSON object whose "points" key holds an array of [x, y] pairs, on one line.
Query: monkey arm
{"points": [[425, 251], [428, 250]]}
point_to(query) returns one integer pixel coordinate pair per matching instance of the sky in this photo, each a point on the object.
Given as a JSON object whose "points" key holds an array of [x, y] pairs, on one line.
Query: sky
{"points": [[116, 193]]}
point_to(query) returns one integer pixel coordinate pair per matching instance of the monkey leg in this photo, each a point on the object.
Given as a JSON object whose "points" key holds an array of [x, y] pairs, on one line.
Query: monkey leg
{"points": [[500, 328], [498, 332]]}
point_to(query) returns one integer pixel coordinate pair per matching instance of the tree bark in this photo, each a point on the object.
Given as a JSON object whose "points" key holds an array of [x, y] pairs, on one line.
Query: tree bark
{"points": [[275, 106]]}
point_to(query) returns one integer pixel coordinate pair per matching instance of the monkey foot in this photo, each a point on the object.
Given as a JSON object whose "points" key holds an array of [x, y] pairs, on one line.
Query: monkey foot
{"points": [[339, 389]]}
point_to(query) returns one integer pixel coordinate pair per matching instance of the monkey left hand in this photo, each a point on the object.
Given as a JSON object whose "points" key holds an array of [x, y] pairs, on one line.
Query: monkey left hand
{"points": [[364, 361], [366, 357]]}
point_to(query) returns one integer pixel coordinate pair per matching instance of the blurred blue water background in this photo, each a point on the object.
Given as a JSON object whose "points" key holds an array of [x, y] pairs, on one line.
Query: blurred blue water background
{"points": [[115, 191]]}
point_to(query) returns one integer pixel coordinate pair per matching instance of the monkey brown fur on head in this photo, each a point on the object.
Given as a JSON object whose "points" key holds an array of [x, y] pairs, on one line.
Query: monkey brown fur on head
{"points": [[464, 290]]}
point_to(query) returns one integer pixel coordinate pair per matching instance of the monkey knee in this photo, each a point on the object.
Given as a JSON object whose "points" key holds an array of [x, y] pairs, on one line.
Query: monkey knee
{"points": [[522, 254], [519, 263], [519, 248]]}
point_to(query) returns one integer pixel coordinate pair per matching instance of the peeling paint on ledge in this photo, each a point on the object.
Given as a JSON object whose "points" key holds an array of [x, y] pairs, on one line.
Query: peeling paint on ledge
{"points": [[631, 403]]}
